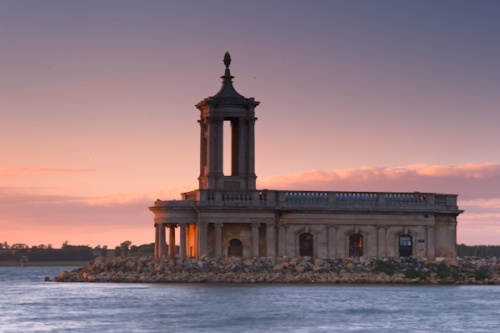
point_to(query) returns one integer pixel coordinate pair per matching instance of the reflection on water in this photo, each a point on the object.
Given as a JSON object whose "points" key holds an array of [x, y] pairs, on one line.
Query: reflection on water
{"points": [[30, 305]]}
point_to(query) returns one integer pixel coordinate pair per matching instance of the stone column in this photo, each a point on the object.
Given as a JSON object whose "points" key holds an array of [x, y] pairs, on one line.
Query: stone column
{"points": [[332, 241], [188, 240], [381, 241], [430, 241], [202, 240], [251, 154], [453, 238], [182, 245], [171, 241], [255, 240], [220, 146], [281, 240], [270, 240], [242, 146], [203, 151], [218, 240], [212, 151], [162, 248], [157, 241], [321, 247]]}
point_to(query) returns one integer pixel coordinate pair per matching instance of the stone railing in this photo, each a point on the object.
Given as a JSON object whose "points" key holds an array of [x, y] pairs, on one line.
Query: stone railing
{"points": [[315, 199]]}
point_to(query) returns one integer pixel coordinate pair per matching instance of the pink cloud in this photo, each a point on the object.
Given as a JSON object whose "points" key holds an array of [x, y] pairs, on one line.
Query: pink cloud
{"points": [[130, 198], [10, 172], [28, 217], [476, 184], [470, 181]]}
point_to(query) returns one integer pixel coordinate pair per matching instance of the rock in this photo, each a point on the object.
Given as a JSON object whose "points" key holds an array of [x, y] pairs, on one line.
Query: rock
{"points": [[283, 270], [278, 267], [248, 262]]}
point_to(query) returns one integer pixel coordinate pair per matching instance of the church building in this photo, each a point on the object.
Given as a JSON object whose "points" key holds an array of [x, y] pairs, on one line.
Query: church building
{"points": [[228, 216]]}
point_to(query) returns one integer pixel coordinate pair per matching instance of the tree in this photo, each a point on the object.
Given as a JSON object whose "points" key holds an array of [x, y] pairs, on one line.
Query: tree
{"points": [[124, 248], [118, 251], [19, 246]]}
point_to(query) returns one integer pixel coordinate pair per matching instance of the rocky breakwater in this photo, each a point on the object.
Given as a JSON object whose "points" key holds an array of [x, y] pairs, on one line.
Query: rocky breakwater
{"points": [[288, 270]]}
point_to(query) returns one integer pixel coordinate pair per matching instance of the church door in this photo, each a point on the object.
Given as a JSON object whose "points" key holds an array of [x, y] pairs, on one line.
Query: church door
{"points": [[306, 245], [405, 246], [235, 248], [355, 245]]}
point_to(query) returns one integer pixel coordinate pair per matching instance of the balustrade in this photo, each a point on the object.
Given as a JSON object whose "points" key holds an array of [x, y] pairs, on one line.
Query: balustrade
{"points": [[316, 199]]}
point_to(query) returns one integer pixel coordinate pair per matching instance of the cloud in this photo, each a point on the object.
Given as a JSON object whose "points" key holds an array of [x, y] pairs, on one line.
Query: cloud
{"points": [[470, 181], [12, 172], [475, 183], [131, 198], [42, 219], [32, 218]]}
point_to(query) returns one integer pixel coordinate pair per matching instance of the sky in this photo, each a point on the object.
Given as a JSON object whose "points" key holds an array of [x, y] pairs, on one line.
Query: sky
{"points": [[98, 117]]}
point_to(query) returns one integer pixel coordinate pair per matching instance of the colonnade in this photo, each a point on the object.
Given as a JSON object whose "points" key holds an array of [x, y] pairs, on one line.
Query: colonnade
{"points": [[161, 249], [194, 236], [193, 240]]}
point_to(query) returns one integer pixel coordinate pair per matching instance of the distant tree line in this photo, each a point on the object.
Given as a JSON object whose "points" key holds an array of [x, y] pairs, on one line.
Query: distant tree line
{"points": [[69, 252], [481, 251], [45, 253], [125, 250]]}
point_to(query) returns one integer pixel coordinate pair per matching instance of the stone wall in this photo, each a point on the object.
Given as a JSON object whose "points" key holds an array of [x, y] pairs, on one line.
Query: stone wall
{"points": [[288, 270]]}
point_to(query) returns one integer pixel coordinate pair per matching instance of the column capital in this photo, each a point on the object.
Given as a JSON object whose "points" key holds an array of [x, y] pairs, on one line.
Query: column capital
{"points": [[255, 225]]}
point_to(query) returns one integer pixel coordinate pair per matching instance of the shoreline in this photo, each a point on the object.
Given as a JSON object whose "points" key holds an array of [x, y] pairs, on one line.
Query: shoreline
{"points": [[305, 270], [44, 263]]}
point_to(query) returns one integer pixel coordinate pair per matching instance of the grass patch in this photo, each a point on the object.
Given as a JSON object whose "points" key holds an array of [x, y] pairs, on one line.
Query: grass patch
{"points": [[385, 267], [413, 273], [443, 271], [481, 274]]}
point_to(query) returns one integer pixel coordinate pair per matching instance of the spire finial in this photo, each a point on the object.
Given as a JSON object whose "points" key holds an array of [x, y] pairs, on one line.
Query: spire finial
{"points": [[227, 60]]}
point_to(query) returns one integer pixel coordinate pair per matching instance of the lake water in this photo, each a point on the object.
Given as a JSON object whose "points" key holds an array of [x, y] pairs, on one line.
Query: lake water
{"points": [[28, 304]]}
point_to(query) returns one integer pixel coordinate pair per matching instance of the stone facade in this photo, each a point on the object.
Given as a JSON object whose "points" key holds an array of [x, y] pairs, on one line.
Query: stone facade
{"points": [[228, 216]]}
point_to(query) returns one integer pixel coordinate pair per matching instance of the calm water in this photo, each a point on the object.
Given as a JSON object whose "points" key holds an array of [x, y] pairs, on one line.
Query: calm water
{"points": [[27, 304]]}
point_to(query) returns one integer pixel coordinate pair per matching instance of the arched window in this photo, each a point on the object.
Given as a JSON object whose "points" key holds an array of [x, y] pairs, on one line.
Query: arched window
{"points": [[405, 246], [306, 245], [355, 245], [235, 248]]}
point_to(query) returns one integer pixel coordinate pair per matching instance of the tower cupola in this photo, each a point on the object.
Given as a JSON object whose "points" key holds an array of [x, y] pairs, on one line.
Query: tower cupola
{"points": [[227, 106]]}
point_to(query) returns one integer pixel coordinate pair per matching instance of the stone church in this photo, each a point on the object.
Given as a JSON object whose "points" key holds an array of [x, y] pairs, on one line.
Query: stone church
{"points": [[228, 216]]}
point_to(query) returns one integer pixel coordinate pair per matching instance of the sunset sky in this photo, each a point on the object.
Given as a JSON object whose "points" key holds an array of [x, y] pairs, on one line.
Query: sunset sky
{"points": [[97, 115]]}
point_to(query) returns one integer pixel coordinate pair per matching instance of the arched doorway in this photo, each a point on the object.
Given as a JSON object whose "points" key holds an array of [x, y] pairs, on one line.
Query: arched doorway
{"points": [[355, 245], [405, 246], [306, 245], [235, 248]]}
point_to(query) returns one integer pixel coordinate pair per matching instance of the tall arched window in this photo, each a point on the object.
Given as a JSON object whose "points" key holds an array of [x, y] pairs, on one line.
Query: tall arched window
{"points": [[306, 245], [405, 246], [355, 245], [235, 248]]}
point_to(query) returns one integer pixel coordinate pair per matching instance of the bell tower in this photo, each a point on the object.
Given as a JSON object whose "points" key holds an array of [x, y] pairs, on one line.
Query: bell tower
{"points": [[227, 105]]}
